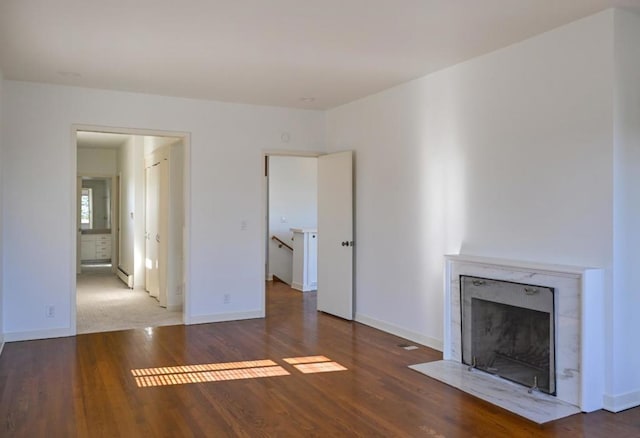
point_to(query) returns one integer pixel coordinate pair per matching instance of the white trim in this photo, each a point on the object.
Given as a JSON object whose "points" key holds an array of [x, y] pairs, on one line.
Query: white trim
{"points": [[427, 341], [223, 317], [617, 403], [39, 334], [1, 347]]}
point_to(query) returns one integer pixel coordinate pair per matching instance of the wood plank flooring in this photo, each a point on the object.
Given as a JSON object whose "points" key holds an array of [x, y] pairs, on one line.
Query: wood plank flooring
{"points": [[84, 386]]}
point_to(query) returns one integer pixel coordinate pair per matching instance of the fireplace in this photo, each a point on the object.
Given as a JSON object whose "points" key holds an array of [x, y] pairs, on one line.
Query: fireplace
{"points": [[508, 330], [563, 304]]}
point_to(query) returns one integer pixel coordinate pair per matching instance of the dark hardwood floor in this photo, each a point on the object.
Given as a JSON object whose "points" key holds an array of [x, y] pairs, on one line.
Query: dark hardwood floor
{"points": [[84, 386]]}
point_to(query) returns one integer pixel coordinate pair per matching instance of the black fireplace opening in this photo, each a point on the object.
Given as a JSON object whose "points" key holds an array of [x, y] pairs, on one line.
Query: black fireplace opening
{"points": [[508, 330]]}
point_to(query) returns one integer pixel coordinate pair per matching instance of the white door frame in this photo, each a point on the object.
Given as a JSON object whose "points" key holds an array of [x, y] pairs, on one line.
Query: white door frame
{"points": [[186, 144], [265, 210]]}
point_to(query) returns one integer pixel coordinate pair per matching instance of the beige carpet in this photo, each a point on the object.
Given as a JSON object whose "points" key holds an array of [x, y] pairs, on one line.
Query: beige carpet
{"points": [[104, 304]]}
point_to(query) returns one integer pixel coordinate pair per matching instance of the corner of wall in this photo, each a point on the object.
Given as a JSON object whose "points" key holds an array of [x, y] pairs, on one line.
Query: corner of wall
{"points": [[1, 222], [624, 380]]}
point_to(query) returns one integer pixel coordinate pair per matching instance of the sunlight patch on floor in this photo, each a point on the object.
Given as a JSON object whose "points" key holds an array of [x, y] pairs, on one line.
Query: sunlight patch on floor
{"points": [[217, 372], [314, 364], [306, 359], [202, 367], [323, 367], [210, 376]]}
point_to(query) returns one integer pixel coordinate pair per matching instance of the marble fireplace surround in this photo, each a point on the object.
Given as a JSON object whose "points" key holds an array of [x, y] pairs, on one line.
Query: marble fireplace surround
{"points": [[579, 320]]}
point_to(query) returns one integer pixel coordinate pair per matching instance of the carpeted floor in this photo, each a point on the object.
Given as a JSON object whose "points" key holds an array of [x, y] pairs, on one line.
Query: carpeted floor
{"points": [[105, 304]]}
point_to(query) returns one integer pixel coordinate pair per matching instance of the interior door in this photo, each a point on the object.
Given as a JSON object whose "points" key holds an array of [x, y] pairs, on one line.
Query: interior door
{"points": [[152, 232], [335, 234]]}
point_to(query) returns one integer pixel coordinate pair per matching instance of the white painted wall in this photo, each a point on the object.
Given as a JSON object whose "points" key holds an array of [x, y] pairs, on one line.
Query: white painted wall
{"points": [[293, 198], [127, 203], [1, 215], [508, 155], [175, 263], [225, 179], [138, 219], [625, 304], [97, 162], [132, 215]]}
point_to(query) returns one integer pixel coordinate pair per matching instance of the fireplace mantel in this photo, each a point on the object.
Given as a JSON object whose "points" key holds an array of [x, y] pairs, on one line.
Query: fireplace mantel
{"points": [[579, 316]]}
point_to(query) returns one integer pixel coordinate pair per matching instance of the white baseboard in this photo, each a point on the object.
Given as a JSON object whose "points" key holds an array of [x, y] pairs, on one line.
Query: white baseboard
{"points": [[436, 344], [222, 317], [38, 334], [126, 278], [300, 287], [617, 403], [269, 277]]}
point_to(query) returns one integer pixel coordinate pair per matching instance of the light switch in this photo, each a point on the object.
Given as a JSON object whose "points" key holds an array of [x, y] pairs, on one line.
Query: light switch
{"points": [[243, 225]]}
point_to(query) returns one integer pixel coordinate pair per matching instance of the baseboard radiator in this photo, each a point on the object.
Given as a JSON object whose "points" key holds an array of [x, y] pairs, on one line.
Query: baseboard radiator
{"points": [[126, 278]]}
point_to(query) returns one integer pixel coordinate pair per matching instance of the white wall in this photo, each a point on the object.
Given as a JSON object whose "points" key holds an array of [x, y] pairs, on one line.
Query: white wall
{"points": [[625, 305], [176, 223], [139, 218], [507, 155], [127, 203], [1, 215], [97, 162], [225, 178], [132, 212], [293, 197]]}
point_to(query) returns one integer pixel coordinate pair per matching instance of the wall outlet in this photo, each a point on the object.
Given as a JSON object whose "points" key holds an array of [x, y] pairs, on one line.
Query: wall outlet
{"points": [[179, 290], [227, 299], [50, 311]]}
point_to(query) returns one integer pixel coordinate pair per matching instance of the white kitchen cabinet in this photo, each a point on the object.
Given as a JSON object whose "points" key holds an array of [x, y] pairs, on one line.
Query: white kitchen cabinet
{"points": [[95, 247], [305, 259]]}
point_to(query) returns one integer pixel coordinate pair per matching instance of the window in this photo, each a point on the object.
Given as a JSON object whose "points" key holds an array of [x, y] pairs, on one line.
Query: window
{"points": [[86, 201]]}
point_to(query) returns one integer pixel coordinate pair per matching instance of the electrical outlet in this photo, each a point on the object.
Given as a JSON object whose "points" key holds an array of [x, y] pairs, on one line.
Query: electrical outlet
{"points": [[50, 311], [179, 290], [227, 298]]}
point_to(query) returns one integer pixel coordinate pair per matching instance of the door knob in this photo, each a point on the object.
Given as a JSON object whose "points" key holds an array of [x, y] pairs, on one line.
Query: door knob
{"points": [[344, 243]]}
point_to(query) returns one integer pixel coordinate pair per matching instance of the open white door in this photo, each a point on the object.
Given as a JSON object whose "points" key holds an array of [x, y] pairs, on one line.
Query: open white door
{"points": [[335, 234]]}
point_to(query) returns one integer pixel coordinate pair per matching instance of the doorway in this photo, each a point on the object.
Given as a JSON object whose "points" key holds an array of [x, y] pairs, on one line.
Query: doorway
{"points": [[115, 296], [292, 213], [333, 230]]}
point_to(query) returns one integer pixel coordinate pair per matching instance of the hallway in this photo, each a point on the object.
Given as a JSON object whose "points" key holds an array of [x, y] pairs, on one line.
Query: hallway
{"points": [[105, 304]]}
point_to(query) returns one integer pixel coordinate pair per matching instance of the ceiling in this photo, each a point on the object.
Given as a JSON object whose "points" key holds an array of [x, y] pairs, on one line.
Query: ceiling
{"points": [[274, 52]]}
